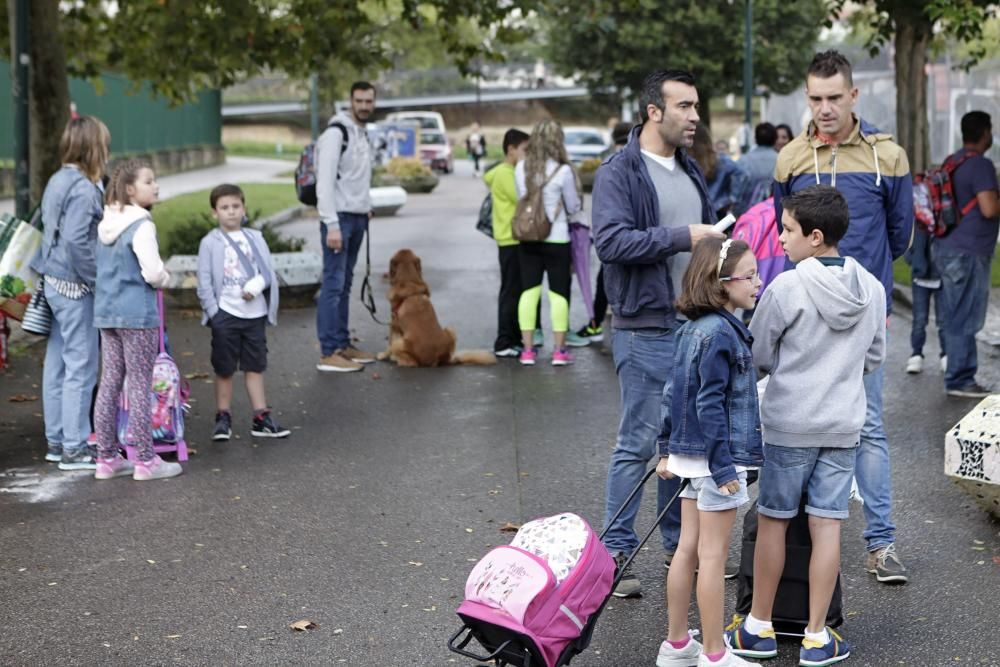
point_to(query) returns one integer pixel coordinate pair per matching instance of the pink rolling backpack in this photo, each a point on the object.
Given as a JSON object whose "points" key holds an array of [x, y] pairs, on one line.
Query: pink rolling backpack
{"points": [[542, 588]]}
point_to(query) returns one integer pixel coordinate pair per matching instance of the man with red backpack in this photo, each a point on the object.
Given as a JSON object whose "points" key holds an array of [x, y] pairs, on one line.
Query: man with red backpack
{"points": [[963, 256]]}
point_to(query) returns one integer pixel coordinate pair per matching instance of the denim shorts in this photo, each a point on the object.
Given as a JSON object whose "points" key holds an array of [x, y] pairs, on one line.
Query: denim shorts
{"points": [[710, 499], [821, 474]]}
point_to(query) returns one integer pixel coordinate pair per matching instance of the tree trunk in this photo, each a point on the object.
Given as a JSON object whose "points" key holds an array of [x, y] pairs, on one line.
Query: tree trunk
{"points": [[49, 106], [913, 36]]}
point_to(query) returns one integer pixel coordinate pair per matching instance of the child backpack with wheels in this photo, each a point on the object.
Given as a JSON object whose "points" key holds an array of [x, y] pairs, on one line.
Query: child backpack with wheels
{"points": [[168, 399], [305, 173], [934, 197], [791, 603], [543, 587]]}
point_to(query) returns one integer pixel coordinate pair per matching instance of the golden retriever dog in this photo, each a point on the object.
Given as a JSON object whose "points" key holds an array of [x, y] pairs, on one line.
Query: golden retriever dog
{"points": [[416, 338]]}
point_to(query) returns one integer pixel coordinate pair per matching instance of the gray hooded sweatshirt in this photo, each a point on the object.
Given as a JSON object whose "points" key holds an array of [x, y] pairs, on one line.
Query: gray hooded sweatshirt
{"points": [[817, 330], [343, 178]]}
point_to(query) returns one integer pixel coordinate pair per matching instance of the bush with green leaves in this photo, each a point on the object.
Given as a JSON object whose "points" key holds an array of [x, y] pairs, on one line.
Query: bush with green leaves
{"points": [[185, 237]]}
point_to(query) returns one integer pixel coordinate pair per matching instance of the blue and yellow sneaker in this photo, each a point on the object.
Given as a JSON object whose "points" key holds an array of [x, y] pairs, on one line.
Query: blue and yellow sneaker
{"points": [[814, 654], [742, 643]]}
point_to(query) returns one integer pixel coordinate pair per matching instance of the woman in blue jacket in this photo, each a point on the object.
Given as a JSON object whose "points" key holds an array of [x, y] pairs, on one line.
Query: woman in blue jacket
{"points": [[71, 208]]}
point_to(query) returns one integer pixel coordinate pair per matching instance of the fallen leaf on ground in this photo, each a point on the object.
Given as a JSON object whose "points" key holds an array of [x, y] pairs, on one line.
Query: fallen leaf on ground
{"points": [[196, 376], [302, 626], [509, 527], [376, 376], [22, 398], [996, 560], [415, 563], [173, 636]]}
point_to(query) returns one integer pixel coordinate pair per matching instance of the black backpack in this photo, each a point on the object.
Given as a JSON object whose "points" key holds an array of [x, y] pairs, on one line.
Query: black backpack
{"points": [[305, 173]]}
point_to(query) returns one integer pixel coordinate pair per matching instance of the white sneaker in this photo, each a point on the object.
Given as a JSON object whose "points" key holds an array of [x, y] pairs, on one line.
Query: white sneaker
{"points": [[731, 660], [915, 364], [944, 363], [679, 657]]}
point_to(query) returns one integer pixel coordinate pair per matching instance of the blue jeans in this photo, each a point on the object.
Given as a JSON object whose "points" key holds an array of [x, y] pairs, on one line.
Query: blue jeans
{"points": [[644, 363], [70, 371], [965, 291], [921, 316], [871, 468], [334, 304]]}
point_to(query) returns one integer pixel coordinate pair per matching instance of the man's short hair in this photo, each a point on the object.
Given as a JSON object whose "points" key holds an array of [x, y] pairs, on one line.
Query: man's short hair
{"points": [[652, 88], [831, 63], [819, 207], [975, 124], [225, 190], [361, 85], [514, 137], [765, 134]]}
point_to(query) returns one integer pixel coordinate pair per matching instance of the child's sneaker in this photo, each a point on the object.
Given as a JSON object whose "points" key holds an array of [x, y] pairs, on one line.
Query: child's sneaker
{"points": [[574, 340], [155, 468], [119, 466], [265, 427], [814, 654], [678, 657], [743, 643], [730, 659], [223, 426], [528, 357], [561, 357]]}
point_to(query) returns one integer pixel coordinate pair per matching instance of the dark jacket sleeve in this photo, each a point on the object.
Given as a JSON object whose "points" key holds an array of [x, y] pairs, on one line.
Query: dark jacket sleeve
{"points": [[78, 229], [616, 235], [713, 371]]}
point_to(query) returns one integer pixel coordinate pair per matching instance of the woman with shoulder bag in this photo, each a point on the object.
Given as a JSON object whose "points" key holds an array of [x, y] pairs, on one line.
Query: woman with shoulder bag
{"points": [[547, 168], [72, 205]]}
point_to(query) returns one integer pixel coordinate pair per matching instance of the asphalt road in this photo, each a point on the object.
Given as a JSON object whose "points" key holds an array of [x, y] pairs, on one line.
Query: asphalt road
{"points": [[394, 482]]}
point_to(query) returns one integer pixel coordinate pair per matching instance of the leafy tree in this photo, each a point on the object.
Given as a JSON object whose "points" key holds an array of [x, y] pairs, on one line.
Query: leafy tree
{"points": [[183, 46], [614, 44], [913, 25]]}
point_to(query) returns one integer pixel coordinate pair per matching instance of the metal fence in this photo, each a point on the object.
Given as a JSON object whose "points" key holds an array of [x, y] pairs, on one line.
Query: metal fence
{"points": [[139, 122], [950, 94]]}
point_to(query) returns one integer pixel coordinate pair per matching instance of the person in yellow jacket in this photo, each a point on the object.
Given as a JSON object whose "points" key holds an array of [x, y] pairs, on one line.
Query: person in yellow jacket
{"points": [[500, 180]]}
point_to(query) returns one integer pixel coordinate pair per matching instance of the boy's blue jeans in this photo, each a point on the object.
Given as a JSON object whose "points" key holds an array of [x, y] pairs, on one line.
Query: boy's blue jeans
{"points": [[70, 371], [334, 305], [965, 292], [921, 316], [872, 470], [644, 363]]}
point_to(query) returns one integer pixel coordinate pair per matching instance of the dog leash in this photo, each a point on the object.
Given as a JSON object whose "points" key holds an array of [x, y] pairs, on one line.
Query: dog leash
{"points": [[367, 294]]}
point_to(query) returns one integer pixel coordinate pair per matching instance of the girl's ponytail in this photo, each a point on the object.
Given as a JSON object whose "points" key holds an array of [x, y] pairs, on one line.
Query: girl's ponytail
{"points": [[125, 174]]}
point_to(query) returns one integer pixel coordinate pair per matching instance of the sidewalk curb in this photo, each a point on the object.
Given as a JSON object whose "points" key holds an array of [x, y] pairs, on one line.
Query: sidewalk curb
{"points": [[284, 216]]}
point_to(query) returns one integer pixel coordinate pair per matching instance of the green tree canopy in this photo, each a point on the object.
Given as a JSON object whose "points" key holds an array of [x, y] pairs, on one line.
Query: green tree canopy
{"points": [[614, 44]]}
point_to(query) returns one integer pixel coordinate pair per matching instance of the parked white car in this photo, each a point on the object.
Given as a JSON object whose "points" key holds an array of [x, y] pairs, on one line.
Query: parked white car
{"points": [[428, 120], [584, 143]]}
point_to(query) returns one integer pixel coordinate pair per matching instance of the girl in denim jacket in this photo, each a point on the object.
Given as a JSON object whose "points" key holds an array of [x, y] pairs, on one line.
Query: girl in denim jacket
{"points": [[711, 436], [129, 270]]}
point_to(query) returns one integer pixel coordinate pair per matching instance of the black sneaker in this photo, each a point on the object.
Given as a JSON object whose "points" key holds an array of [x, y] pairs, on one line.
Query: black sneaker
{"points": [[223, 426], [974, 390], [629, 586], [264, 427], [53, 454], [83, 458]]}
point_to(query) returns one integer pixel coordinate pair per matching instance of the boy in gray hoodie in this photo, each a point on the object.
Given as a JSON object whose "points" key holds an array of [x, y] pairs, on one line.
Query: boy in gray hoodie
{"points": [[817, 330]]}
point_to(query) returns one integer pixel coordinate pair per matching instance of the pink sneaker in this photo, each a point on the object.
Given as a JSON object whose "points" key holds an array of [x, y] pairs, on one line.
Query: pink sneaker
{"points": [[528, 357], [156, 468], [119, 466], [561, 357]]}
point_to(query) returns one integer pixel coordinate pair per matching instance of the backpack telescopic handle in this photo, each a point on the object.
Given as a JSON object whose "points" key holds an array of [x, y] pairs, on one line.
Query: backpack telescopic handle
{"points": [[652, 529], [159, 308]]}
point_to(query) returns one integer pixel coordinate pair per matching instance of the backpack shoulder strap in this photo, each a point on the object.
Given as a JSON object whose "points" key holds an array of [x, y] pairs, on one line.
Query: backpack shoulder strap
{"points": [[343, 133]]}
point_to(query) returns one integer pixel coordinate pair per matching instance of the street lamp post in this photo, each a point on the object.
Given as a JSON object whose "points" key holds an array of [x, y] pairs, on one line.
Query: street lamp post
{"points": [[747, 75]]}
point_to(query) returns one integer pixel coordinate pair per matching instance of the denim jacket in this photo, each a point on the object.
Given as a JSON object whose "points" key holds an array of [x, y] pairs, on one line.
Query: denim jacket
{"points": [[72, 204], [123, 299], [713, 409]]}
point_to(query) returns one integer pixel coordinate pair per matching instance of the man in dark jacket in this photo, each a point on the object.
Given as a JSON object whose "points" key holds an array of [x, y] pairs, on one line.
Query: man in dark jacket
{"points": [[650, 203]]}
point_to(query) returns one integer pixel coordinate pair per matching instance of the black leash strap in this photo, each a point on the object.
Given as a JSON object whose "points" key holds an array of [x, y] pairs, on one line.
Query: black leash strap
{"points": [[367, 294]]}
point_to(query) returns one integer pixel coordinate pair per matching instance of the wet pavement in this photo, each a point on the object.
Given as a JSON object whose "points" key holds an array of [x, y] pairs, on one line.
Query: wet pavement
{"points": [[394, 482]]}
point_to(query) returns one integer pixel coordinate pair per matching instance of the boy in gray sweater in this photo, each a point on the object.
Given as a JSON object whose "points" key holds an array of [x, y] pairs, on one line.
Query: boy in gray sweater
{"points": [[817, 330]]}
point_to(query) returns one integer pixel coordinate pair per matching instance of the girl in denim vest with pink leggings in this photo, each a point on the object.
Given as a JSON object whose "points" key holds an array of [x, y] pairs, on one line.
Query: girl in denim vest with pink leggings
{"points": [[129, 270]]}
